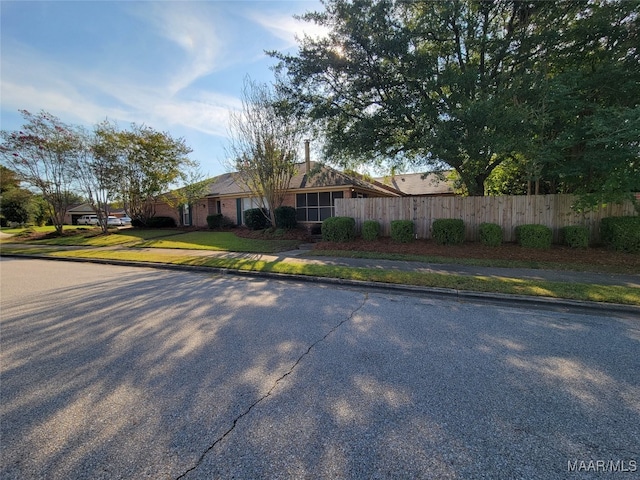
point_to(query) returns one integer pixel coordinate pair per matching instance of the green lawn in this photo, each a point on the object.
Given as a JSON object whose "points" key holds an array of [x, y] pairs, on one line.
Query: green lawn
{"points": [[227, 241], [44, 229], [221, 241], [152, 238], [505, 285]]}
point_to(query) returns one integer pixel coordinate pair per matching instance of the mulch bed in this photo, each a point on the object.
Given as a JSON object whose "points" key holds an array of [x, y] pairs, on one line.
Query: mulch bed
{"points": [[598, 256]]}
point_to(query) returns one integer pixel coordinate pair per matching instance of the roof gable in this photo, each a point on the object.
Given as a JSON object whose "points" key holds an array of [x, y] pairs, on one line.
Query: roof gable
{"points": [[319, 176], [419, 183]]}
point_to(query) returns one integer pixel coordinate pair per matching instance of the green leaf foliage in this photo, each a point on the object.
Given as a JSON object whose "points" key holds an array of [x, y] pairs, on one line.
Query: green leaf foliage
{"points": [[214, 221], [256, 219], [490, 234], [286, 217], [402, 231], [621, 233], [549, 89], [575, 236], [534, 236], [161, 222], [339, 229], [448, 231], [370, 230]]}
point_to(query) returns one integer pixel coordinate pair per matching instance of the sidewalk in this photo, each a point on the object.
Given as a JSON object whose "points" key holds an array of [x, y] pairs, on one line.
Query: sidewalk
{"points": [[300, 257]]}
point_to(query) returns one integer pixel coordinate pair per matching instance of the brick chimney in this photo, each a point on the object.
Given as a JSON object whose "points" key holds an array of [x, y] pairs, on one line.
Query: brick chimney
{"points": [[307, 156]]}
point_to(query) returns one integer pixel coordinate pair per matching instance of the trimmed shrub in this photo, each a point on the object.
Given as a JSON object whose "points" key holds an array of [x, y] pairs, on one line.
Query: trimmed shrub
{"points": [[402, 231], [491, 234], [161, 222], [576, 236], [621, 233], [448, 231], [370, 230], [338, 229], [214, 221], [256, 219], [286, 217], [534, 236]]}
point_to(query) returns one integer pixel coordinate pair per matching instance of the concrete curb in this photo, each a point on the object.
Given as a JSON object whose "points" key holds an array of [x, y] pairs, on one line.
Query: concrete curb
{"points": [[523, 301]]}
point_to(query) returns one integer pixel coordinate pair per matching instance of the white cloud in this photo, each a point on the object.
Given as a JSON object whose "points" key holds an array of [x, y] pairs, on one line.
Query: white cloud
{"points": [[286, 27], [207, 112], [193, 27], [32, 81]]}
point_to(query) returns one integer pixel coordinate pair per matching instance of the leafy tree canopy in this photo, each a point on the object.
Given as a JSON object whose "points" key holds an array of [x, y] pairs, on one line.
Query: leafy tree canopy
{"points": [[44, 155], [470, 84]]}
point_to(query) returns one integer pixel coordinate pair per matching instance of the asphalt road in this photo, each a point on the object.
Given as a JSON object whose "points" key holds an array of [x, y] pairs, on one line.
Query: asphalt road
{"points": [[122, 372]]}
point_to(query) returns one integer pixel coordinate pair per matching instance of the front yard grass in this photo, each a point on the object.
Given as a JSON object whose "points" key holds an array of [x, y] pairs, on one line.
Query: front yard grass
{"points": [[228, 241], [221, 241], [152, 238], [478, 283]]}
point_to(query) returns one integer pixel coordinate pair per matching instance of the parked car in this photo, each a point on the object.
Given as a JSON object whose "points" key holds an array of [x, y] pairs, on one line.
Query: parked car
{"points": [[125, 220], [114, 221], [88, 220]]}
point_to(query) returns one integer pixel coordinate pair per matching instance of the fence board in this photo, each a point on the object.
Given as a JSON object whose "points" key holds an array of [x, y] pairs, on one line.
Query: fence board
{"points": [[553, 211]]}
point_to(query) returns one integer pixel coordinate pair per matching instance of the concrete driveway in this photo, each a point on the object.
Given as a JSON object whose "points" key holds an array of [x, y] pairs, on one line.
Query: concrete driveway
{"points": [[119, 372]]}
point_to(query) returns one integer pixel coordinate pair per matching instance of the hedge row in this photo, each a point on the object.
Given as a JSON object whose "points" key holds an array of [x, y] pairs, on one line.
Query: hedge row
{"points": [[619, 233]]}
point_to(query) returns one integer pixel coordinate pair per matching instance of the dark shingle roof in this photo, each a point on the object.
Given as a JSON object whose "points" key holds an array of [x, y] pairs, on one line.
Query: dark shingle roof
{"points": [[415, 184], [320, 176]]}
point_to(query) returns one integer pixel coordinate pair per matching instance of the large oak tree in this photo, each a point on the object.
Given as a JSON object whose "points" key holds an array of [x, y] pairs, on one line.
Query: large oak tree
{"points": [[465, 84]]}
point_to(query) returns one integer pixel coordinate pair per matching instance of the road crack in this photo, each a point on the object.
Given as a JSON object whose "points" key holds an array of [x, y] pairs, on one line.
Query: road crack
{"points": [[274, 386]]}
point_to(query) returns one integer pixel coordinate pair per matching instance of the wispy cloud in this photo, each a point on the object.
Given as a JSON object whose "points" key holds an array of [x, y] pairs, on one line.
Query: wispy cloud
{"points": [[175, 66], [192, 26], [286, 27], [82, 96]]}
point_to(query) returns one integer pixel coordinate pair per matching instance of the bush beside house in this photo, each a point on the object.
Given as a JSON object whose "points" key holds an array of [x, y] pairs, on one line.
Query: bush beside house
{"points": [[621, 233], [534, 236], [339, 229], [448, 231], [286, 217], [256, 219], [490, 234], [370, 230], [402, 231], [575, 236]]}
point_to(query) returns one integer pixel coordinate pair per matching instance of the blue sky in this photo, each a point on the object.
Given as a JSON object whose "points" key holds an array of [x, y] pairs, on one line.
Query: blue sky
{"points": [[176, 66]]}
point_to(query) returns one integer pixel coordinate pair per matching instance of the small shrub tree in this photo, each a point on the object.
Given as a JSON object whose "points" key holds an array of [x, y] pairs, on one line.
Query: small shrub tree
{"points": [[402, 231], [621, 233], [214, 221], [448, 231], [161, 222], [575, 236], [286, 218], [491, 234], [256, 219], [338, 229], [370, 230], [534, 236]]}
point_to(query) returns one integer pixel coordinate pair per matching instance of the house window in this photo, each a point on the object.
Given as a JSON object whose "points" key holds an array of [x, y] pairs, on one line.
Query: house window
{"points": [[316, 206]]}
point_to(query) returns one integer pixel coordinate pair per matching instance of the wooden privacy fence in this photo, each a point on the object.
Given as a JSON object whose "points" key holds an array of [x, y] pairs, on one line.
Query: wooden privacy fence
{"points": [[507, 211]]}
